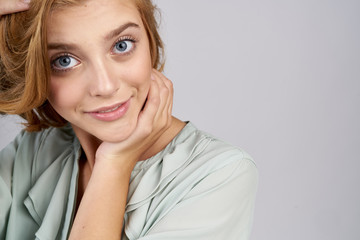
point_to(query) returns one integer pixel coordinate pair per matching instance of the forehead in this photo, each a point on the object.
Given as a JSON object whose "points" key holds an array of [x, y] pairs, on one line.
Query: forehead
{"points": [[91, 17]]}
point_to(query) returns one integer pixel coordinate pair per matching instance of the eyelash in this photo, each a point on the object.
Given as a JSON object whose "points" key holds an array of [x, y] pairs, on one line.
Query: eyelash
{"points": [[54, 69], [121, 39]]}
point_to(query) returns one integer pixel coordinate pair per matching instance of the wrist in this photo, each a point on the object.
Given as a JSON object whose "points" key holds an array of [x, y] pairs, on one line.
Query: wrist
{"points": [[115, 165]]}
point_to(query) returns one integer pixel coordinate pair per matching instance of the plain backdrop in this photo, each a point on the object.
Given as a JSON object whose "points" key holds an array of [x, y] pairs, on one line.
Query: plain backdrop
{"points": [[280, 79]]}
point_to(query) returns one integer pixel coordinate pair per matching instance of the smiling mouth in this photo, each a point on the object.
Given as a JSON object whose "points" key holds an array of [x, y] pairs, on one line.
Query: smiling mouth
{"points": [[110, 110], [111, 113]]}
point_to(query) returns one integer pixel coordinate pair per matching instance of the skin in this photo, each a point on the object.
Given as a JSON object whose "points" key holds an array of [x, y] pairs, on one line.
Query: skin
{"points": [[96, 75], [12, 6]]}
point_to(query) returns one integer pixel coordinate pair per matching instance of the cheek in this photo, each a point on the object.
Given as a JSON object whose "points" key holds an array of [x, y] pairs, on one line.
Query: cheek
{"points": [[144, 77], [62, 94], [140, 71]]}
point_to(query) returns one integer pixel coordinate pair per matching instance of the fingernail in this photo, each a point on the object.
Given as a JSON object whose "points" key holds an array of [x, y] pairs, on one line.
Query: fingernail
{"points": [[26, 1], [152, 77]]}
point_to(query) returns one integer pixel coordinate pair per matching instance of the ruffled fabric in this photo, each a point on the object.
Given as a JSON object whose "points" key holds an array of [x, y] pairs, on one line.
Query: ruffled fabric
{"points": [[161, 182], [44, 185], [42, 196], [150, 177]]}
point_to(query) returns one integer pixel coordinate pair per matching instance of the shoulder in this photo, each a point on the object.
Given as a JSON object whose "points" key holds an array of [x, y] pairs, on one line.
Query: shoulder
{"points": [[35, 140], [205, 162], [48, 142], [205, 187], [40, 168], [216, 154], [36, 151], [60, 137]]}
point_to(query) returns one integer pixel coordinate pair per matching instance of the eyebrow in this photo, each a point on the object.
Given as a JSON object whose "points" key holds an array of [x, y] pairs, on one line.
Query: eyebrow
{"points": [[109, 36], [62, 46], [120, 29]]}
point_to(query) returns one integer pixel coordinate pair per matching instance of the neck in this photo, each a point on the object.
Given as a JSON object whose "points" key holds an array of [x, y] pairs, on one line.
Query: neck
{"points": [[90, 143]]}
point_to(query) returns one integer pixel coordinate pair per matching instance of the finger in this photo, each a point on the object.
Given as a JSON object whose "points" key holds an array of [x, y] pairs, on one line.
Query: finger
{"points": [[166, 81], [163, 89], [169, 86], [163, 118], [166, 86], [12, 6], [146, 117]]}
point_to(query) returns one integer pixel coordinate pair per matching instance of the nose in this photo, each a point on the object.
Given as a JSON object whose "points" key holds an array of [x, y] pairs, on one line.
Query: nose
{"points": [[103, 80]]}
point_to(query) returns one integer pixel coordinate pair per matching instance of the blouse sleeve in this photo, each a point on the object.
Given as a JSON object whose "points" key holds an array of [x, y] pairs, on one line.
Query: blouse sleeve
{"points": [[219, 207], [7, 157]]}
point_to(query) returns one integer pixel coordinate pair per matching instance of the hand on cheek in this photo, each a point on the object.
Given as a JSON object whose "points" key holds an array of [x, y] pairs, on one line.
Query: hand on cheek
{"points": [[153, 121]]}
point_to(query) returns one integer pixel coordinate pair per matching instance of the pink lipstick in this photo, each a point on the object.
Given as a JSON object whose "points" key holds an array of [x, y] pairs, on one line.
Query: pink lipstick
{"points": [[111, 113]]}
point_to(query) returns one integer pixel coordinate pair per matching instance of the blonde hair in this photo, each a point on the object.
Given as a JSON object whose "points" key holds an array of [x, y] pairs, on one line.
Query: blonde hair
{"points": [[25, 67]]}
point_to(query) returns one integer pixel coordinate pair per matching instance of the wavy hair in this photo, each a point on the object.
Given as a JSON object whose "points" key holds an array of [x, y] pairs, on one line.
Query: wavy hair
{"points": [[25, 67]]}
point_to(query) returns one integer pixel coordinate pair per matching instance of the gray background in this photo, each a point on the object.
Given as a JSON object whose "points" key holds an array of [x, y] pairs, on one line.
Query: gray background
{"points": [[280, 79]]}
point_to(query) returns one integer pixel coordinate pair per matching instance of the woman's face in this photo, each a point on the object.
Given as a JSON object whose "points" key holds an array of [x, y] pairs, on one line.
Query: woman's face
{"points": [[101, 67]]}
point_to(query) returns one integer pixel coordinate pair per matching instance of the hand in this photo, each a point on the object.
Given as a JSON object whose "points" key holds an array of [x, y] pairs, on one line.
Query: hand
{"points": [[101, 211], [152, 122], [12, 6]]}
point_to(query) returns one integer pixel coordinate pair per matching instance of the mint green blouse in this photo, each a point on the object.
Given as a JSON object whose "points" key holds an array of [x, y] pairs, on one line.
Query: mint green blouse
{"points": [[198, 187]]}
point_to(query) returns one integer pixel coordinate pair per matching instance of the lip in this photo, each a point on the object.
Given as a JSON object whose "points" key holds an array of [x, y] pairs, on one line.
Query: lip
{"points": [[110, 113]]}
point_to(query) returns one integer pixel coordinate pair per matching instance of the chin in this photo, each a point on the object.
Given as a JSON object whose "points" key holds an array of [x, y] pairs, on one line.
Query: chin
{"points": [[113, 139], [115, 135]]}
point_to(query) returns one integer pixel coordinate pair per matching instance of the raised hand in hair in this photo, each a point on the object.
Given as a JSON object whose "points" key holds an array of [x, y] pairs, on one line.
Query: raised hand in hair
{"points": [[12, 6]]}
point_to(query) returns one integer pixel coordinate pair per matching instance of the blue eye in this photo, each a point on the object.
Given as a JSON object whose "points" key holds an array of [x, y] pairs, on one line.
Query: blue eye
{"points": [[64, 62], [123, 46]]}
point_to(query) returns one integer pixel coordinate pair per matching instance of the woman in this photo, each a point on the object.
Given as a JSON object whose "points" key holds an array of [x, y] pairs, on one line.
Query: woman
{"points": [[102, 157]]}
